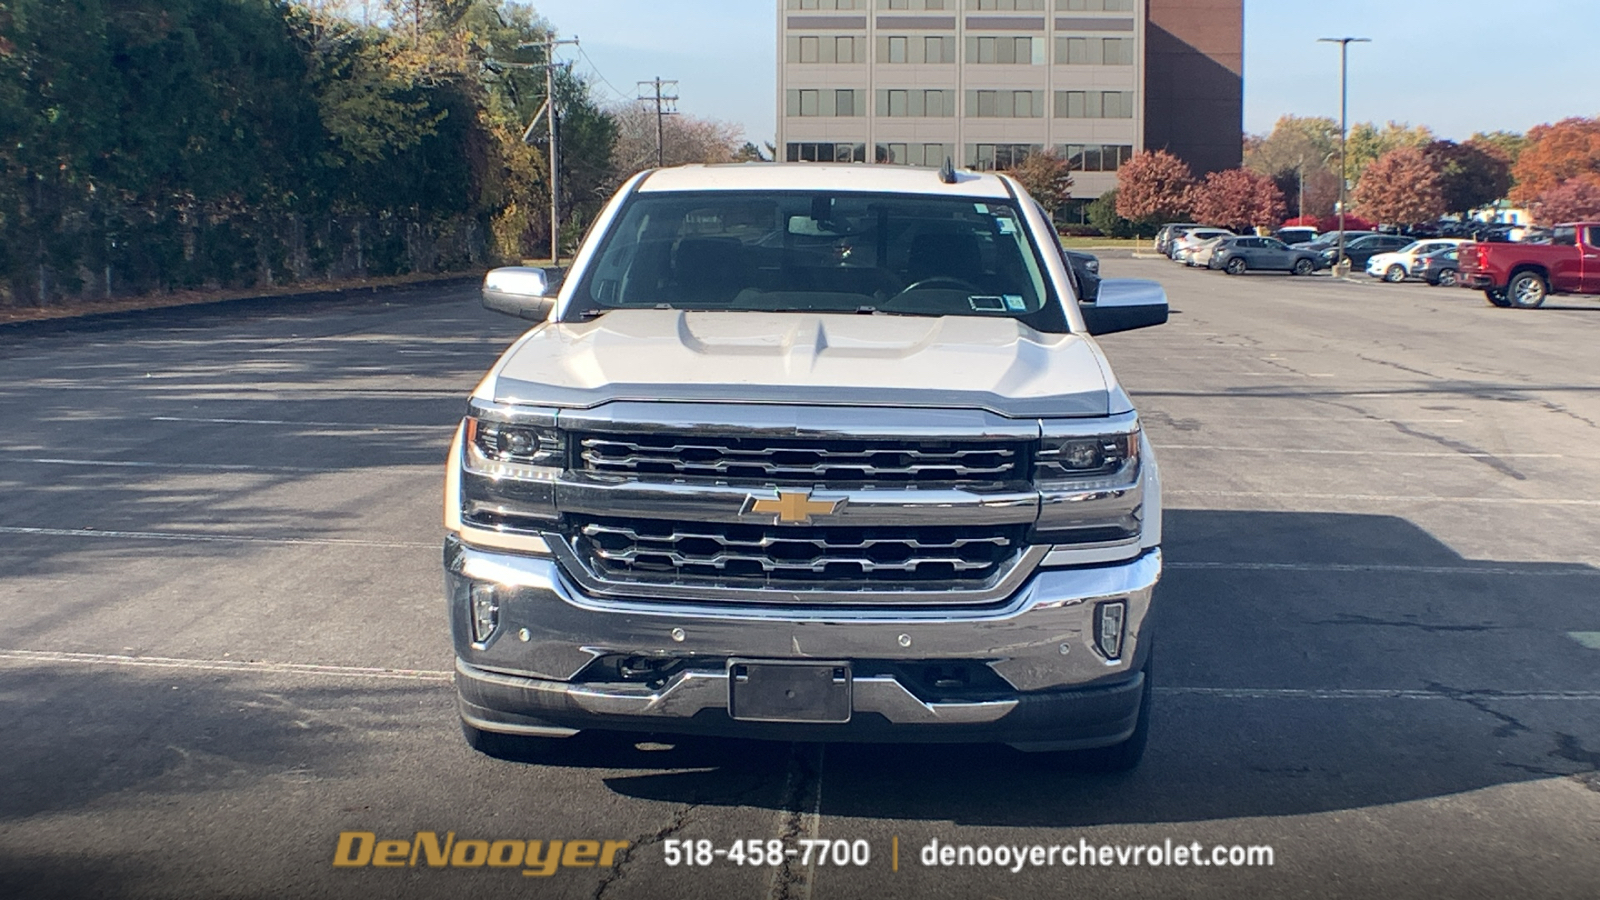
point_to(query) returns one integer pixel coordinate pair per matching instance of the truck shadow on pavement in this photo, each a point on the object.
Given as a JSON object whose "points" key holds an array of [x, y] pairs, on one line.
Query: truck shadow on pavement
{"points": [[1307, 662]]}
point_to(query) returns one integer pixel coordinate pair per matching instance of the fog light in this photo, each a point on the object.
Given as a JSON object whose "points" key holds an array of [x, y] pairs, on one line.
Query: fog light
{"points": [[1108, 623], [485, 611]]}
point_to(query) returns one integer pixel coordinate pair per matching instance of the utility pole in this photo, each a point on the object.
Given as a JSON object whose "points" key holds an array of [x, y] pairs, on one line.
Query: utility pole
{"points": [[551, 115], [663, 109], [1341, 265]]}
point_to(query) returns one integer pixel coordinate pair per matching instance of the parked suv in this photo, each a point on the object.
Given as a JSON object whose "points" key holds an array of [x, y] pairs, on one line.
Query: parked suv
{"points": [[808, 453], [1238, 255]]}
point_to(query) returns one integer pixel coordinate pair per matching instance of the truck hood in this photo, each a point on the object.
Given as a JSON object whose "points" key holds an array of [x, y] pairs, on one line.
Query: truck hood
{"points": [[1000, 365]]}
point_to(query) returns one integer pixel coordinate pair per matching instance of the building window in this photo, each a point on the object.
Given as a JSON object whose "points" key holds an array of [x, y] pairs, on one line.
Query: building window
{"points": [[916, 103], [1094, 104], [827, 4], [1006, 5], [1094, 51], [902, 49], [1005, 51], [810, 102], [817, 49], [916, 4], [810, 152], [1095, 157], [1005, 104], [932, 155], [1094, 5], [990, 157]]}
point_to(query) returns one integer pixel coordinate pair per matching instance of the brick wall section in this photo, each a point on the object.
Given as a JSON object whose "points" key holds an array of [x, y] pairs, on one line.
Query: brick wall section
{"points": [[1194, 81]]}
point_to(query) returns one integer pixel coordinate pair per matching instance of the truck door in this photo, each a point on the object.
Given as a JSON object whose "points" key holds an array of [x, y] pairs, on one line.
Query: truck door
{"points": [[1566, 264], [1590, 248]]}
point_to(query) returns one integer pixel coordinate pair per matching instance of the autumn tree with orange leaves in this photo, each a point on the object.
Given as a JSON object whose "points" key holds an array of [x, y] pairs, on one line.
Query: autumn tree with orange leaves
{"points": [[1237, 199], [1401, 188], [1555, 154], [1153, 187]]}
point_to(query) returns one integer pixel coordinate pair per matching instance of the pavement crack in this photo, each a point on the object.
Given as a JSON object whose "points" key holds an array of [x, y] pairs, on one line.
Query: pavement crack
{"points": [[1571, 749], [1558, 408], [1395, 365], [679, 819], [802, 812], [1476, 454], [1510, 725], [1356, 619]]}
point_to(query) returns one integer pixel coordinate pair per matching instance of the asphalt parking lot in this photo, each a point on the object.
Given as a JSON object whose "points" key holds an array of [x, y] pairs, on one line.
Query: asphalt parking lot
{"points": [[222, 639]]}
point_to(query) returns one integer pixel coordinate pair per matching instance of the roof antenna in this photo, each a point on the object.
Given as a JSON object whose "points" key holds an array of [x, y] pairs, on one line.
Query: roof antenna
{"points": [[947, 172]]}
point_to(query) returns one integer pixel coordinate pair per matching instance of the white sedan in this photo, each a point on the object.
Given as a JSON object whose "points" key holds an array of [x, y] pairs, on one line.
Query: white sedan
{"points": [[1183, 248], [1397, 265]]}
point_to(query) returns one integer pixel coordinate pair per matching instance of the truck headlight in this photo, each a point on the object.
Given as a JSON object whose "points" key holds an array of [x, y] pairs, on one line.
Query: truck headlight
{"points": [[1089, 482], [1074, 461], [521, 452]]}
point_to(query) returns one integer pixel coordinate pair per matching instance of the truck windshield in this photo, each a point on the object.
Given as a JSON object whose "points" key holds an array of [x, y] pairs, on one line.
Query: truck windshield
{"points": [[819, 252]]}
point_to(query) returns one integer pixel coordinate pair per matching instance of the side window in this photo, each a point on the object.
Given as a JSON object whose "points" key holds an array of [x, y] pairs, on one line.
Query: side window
{"points": [[1592, 236], [1564, 237]]}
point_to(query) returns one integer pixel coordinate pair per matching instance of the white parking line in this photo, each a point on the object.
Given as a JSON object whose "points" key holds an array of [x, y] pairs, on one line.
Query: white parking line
{"points": [[1427, 453], [1389, 498], [209, 538], [219, 665], [1377, 694], [132, 464], [1580, 569], [351, 425]]}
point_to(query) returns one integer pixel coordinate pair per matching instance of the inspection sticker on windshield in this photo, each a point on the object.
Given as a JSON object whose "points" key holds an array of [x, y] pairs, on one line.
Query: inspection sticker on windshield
{"points": [[1006, 225], [1014, 302], [982, 208]]}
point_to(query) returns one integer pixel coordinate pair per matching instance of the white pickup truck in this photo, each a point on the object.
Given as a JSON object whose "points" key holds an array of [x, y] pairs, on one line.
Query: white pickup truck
{"points": [[808, 452]]}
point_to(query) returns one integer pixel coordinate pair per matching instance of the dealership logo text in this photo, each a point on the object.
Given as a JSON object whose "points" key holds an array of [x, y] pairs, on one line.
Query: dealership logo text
{"points": [[358, 849]]}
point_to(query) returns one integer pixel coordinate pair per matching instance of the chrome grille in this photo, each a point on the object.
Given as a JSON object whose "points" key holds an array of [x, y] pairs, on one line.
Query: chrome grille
{"points": [[648, 551], [808, 461]]}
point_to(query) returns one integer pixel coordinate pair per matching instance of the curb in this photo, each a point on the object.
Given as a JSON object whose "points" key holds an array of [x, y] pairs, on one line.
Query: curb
{"points": [[253, 304]]}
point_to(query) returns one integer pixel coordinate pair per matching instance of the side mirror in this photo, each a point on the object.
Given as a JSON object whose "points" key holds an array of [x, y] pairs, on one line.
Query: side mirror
{"points": [[522, 291], [1125, 304]]}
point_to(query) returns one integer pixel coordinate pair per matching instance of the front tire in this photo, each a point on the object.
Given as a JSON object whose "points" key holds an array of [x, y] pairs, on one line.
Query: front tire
{"points": [[1395, 274], [1527, 290], [1236, 266], [1303, 267], [1496, 298]]}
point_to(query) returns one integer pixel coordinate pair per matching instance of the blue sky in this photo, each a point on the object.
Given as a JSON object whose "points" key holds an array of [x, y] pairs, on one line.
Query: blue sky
{"points": [[1458, 66]]}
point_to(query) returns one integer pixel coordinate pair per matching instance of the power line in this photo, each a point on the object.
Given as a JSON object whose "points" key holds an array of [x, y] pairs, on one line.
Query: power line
{"points": [[662, 101], [598, 74]]}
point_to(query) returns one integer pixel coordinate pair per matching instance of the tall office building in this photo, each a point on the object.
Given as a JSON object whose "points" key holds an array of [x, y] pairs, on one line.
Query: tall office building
{"points": [[986, 82]]}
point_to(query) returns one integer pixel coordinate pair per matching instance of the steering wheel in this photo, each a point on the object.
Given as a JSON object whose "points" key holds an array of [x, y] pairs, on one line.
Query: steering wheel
{"points": [[936, 280]]}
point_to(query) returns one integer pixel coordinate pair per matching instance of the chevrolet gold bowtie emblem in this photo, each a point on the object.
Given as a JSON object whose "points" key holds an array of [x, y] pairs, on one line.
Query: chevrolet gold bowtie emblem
{"points": [[791, 507]]}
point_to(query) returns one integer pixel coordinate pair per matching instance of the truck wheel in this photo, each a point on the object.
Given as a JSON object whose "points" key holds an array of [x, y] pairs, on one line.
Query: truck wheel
{"points": [[1236, 266], [1395, 274], [1496, 297], [1527, 291], [1303, 266]]}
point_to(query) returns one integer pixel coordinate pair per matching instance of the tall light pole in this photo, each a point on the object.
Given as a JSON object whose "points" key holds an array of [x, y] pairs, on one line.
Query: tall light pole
{"points": [[1340, 264]]}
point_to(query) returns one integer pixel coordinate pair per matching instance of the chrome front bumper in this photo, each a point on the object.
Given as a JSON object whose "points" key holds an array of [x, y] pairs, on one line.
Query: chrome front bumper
{"points": [[529, 676]]}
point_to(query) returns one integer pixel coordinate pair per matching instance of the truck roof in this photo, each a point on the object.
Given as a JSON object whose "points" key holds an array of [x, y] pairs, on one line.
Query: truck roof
{"points": [[858, 178]]}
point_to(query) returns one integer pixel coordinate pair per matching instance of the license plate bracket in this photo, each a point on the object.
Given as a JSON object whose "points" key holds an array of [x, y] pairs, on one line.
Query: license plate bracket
{"points": [[765, 690]]}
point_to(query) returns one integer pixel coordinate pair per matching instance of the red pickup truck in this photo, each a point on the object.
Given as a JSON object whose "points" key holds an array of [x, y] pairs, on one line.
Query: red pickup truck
{"points": [[1523, 275]]}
